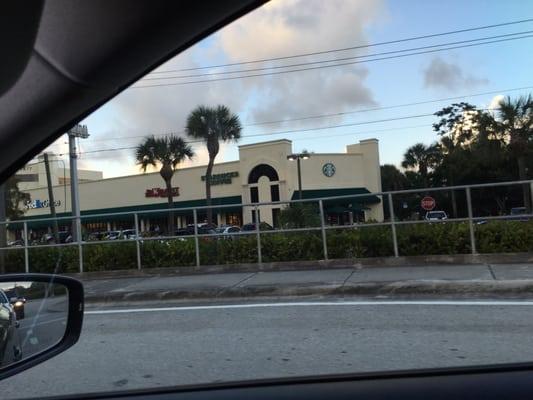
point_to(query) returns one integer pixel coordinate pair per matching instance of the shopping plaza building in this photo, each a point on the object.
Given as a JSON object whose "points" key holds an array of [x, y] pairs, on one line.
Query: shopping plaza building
{"points": [[263, 173]]}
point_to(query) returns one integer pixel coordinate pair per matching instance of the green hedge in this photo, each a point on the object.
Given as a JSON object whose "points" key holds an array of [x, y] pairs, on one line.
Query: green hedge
{"points": [[370, 241]]}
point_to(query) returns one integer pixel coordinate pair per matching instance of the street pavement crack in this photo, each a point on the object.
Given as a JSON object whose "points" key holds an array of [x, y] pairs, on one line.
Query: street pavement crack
{"points": [[491, 272], [236, 284], [347, 278]]}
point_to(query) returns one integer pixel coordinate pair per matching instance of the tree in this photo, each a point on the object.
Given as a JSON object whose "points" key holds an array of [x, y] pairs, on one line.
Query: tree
{"points": [[515, 121], [423, 159], [14, 199], [299, 215], [10, 200], [212, 125], [392, 178], [168, 152], [457, 127]]}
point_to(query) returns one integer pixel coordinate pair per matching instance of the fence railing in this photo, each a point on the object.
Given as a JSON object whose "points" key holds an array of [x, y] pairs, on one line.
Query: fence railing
{"points": [[323, 227]]}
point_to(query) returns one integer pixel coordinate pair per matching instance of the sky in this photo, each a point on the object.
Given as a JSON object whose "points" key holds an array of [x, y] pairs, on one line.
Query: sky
{"points": [[283, 28]]}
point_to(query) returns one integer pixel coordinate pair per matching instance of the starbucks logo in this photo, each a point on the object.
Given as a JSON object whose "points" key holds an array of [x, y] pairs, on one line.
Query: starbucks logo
{"points": [[328, 169]]}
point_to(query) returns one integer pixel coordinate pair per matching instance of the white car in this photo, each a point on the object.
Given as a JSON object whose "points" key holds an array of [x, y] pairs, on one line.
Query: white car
{"points": [[228, 229], [436, 216]]}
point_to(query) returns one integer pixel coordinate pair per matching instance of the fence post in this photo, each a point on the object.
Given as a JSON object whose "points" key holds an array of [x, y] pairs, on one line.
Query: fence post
{"points": [[393, 226], [26, 253], [323, 229], [196, 244], [470, 221], [137, 243], [80, 248], [258, 235]]}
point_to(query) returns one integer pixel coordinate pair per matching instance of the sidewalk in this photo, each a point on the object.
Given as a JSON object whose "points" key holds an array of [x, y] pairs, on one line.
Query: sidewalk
{"points": [[514, 280]]}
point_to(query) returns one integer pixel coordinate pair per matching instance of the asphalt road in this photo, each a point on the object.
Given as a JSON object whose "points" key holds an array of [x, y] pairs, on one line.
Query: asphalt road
{"points": [[143, 347], [43, 325]]}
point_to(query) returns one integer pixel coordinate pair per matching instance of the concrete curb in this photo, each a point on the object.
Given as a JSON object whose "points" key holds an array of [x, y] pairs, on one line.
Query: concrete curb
{"points": [[412, 261], [478, 288]]}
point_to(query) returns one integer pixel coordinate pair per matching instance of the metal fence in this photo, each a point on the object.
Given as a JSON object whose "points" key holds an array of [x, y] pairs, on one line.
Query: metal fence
{"points": [[391, 222]]}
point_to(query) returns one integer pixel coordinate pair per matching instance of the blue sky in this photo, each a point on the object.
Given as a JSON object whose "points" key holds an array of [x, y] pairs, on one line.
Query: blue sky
{"points": [[288, 27]]}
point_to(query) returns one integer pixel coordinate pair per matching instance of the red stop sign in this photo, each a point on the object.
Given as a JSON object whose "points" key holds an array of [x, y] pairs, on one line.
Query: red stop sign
{"points": [[428, 203]]}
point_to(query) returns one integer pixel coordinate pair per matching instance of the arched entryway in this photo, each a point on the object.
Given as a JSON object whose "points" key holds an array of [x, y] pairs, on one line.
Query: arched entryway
{"points": [[263, 183]]}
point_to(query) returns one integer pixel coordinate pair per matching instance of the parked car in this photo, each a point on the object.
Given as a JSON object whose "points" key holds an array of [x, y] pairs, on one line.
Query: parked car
{"points": [[203, 229], [18, 302], [436, 216], [519, 214], [11, 349], [96, 236], [129, 234], [63, 236], [16, 243], [263, 226], [189, 230], [113, 235], [228, 229]]}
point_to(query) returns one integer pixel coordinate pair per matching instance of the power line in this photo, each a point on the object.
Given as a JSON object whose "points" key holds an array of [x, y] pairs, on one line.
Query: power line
{"points": [[388, 107], [334, 114], [328, 66], [339, 59], [322, 137], [349, 48], [284, 132]]}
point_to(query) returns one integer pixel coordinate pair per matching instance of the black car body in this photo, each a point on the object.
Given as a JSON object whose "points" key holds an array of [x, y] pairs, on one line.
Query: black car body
{"points": [[16, 301], [11, 350]]}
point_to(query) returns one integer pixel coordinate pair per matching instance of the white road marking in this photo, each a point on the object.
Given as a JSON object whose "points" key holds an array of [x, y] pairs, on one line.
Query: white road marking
{"points": [[317, 304]]}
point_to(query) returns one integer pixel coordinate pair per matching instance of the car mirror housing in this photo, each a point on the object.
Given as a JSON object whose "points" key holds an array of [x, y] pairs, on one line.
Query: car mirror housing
{"points": [[42, 322]]}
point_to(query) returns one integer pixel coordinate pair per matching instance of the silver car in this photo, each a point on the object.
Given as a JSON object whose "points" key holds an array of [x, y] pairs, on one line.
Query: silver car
{"points": [[11, 350]]}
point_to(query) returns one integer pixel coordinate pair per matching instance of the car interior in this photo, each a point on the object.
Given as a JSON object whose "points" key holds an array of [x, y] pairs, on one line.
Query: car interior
{"points": [[63, 59]]}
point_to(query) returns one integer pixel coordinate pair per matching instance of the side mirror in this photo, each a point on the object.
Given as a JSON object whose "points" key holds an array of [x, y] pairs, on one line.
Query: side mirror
{"points": [[45, 319]]}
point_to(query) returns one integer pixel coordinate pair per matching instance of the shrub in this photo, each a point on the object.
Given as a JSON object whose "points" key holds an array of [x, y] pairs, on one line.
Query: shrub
{"points": [[353, 242], [299, 216]]}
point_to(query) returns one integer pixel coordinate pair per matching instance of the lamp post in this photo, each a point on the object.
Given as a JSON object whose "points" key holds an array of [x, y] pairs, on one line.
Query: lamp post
{"points": [[297, 157], [77, 131]]}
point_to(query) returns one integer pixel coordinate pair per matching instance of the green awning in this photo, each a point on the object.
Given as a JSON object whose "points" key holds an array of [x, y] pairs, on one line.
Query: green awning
{"points": [[346, 202], [228, 200]]}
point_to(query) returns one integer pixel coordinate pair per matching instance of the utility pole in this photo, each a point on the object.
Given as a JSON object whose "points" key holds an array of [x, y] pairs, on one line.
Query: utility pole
{"points": [[78, 131], [51, 199]]}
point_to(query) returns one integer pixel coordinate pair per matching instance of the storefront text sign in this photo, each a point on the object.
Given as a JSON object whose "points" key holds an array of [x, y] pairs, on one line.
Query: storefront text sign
{"points": [[161, 192], [222, 179], [40, 204]]}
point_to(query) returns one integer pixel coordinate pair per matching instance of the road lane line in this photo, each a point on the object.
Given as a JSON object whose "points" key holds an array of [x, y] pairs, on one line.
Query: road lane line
{"points": [[314, 304]]}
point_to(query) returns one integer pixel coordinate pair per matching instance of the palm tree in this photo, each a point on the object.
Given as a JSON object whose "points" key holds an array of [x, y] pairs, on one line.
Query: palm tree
{"points": [[515, 119], [213, 125], [167, 152], [422, 158]]}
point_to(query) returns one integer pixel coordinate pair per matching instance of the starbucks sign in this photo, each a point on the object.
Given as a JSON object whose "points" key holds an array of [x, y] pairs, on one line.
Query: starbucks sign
{"points": [[328, 169]]}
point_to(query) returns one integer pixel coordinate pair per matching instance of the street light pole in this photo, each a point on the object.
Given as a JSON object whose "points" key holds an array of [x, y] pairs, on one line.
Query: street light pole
{"points": [[78, 131], [298, 157], [298, 167], [51, 199]]}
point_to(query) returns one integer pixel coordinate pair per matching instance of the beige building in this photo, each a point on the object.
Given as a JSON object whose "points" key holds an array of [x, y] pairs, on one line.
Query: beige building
{"points": [[263, 173], [33, 175]]}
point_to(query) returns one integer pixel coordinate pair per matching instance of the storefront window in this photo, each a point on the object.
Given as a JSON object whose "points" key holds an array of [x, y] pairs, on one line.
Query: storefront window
{"points": [[254, 195], [274, 192], [275, 217], [233, 219]]}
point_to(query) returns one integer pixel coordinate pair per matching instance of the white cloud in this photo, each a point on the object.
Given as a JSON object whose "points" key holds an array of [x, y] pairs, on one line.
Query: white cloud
{"points": [[495, 102], [276, 29], [447, 75], [295, 27]]}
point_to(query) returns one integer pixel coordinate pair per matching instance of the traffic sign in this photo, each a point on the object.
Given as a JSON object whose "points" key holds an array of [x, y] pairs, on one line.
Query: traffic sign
{"points": [[428, 203]]}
